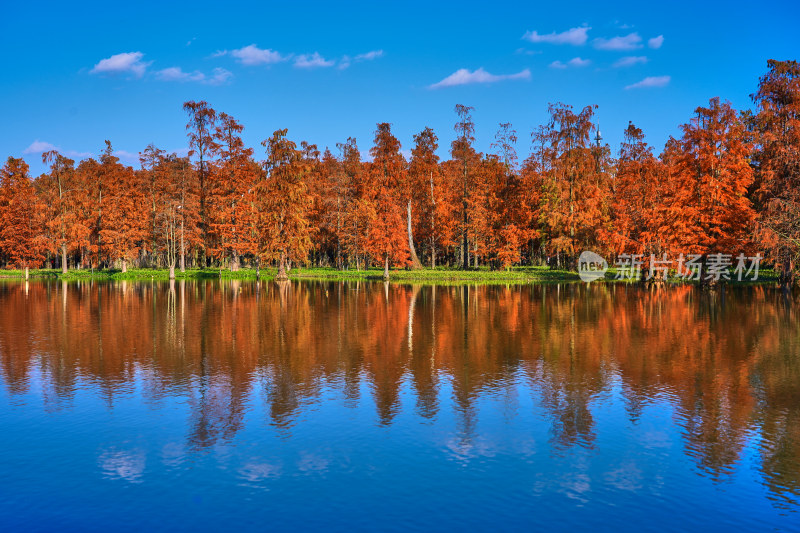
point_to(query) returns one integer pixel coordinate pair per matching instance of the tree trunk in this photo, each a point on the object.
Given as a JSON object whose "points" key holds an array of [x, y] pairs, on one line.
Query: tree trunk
{"points": [[26, 273], [281, 275], [63, 258], [339, 264], [386, 268], [258, 268], [464, 241], [787, 276], [183, 251], [124, 266], [433, 226], [415, 262], [172, 271]]}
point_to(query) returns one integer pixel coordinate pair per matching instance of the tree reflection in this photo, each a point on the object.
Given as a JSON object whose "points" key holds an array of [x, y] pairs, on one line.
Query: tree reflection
{"points": [[727, 365]]}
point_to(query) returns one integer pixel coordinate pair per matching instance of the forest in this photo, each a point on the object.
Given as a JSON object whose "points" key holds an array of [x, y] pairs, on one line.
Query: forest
{"points": [[729, 184]]}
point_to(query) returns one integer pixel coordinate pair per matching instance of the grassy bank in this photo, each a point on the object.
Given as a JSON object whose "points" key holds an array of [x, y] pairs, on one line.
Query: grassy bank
{"points": [[481, 275], [515, 275]]}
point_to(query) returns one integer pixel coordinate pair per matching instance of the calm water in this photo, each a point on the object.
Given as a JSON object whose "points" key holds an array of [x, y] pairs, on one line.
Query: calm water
{"points": [[345, 406]]}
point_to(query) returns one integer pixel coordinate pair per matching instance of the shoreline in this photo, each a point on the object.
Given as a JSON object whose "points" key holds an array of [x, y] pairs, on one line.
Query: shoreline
{"points": [[516, 276]]}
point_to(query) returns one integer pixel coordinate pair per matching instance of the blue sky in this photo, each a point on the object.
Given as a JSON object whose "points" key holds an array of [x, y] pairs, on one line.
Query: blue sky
{"points": [[75, 75]]}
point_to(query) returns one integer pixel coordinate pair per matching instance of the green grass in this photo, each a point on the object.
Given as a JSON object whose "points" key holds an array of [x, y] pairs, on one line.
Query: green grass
{"points": [[131, 274], [443, 275], [440, 274]]}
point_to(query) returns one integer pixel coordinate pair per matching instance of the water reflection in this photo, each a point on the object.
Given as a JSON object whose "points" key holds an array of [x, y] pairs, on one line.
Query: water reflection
{"points": [[727, 365]]}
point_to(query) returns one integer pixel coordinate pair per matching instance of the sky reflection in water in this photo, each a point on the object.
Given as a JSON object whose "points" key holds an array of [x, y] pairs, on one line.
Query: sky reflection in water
{"points": [[342, 406]]}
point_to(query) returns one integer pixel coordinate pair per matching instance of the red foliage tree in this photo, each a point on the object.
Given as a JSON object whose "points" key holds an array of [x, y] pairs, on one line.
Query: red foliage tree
{"points": [[202, 143], [462, 172], [386, 239], [285, 203], [124, 210], [58, 190], [777, 163], [228, 205], [572, 183], [21, 239], [709, 211], [437, 214], [638, 198]]}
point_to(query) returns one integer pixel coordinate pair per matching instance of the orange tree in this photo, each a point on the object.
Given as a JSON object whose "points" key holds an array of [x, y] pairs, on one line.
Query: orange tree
{"points": [[284, 203], [58, 190], [151, 160], [21, 239], [709, 211], [638, 197], [353, 194], [777, 164], [572, 182], [228, 208], [386, 240], [437, 215], [514, 211], [124, 211], [202, 143], [465, 159]]}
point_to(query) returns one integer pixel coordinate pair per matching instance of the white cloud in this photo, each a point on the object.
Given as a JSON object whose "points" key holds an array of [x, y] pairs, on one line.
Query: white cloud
{"points": [[127, 156], [369, 56], [650, 81], [121, 63], [176, 74], [576, 62], [573, 36], [631, 41], [253, 55], [629, 61], [346, 61], [39, 147], [655, 42], [312, 61], [464, 76], [219, 76], [75, 154]]}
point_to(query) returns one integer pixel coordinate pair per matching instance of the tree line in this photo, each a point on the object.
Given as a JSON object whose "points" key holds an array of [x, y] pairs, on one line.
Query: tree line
{"points": [[729, 183]]}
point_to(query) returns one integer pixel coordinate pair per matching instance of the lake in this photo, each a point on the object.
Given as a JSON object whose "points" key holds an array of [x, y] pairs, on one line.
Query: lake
{"points": [[360, 406]]}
